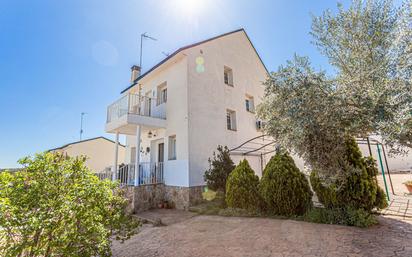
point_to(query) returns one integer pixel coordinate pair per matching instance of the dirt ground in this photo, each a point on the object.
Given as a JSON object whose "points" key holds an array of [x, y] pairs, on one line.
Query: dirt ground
{"points": [[240, 237]]}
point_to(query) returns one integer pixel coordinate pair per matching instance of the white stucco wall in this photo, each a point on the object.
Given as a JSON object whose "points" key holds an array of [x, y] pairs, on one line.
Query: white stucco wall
{"points": [[209, 97], [174, 73], [100, 153]]}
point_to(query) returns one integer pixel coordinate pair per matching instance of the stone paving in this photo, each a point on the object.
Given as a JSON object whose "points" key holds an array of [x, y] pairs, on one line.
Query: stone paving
{"points": [[234, 236]]}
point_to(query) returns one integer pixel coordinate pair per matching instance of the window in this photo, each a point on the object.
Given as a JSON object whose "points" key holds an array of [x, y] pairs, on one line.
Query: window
{"points": [[228, 76], [172, 147], [231, 120], [161, 94], [249, 104]]}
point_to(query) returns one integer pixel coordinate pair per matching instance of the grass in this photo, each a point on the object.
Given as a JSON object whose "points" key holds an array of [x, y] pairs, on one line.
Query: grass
{"points": [[215, 204]]}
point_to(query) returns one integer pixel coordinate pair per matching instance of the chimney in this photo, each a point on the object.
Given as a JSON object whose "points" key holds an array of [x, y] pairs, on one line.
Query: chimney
{"points": [[135, 73]]}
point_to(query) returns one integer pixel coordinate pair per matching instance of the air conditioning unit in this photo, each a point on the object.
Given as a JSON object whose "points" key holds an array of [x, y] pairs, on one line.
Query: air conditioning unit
{"points": [[260, 124]]}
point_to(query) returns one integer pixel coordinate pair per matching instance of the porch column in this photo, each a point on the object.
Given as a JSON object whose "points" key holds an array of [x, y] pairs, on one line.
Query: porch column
{"points": [[116, 157], [137, 168]]}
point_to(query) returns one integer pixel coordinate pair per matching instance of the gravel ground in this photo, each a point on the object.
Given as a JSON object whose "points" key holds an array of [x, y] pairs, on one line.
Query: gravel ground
{"points": [[232, 236]]}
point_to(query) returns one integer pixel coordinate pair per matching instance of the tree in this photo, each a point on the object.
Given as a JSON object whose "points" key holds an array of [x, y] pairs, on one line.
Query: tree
{"points": [[283, 188], [369, 45], [55, 206], [312, 113], [357, 189], [219, 169], [242, 188]]}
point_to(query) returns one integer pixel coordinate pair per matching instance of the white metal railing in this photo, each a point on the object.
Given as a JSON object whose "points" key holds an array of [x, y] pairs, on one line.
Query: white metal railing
{"points": [[149, 173], [135, 104]]}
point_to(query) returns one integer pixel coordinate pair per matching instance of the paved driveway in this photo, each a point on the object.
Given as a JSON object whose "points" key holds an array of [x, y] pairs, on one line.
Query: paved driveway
{"points": [[232, 236]]}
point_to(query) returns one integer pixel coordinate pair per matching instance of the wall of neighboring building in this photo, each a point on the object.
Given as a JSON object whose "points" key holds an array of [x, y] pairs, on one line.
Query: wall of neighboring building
{"points": [[210, 97], [175, 76], [99, 152]]}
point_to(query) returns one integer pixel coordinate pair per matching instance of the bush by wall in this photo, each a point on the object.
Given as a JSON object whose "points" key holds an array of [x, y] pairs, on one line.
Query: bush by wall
{"points": [[357, 188], [242, 188], [283, 188], [220, 166]]}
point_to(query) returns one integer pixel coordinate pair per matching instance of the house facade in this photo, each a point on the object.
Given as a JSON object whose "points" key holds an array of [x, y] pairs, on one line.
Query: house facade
{"points": [[176, 114], [98, 150]]}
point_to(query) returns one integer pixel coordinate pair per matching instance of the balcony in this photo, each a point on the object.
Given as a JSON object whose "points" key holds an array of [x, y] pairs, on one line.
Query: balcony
{"points": [[131, 110]]}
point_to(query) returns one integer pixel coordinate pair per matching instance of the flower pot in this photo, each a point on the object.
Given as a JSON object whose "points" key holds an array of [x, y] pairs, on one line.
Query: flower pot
{"points": [[409, 187], [160, 205]]}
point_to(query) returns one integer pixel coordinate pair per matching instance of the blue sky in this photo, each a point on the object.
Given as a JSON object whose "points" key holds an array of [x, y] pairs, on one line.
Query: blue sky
{"points": [[61, 58]]}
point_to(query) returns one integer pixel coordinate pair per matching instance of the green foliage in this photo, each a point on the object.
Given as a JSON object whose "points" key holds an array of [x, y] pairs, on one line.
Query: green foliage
{"points": [[283, 188], [220, 167], [242, 188], [309, 112], [55, 206], [341, 216], [357, 188]]}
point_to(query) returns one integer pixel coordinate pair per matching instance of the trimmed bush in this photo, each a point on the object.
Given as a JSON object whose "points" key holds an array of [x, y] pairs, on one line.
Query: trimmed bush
{"points": [[357, 188], [283, 188], [242, 188]]}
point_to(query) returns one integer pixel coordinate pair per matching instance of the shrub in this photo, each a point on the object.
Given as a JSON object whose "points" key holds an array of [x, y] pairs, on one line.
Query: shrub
{"points": [[357, 188], [283, 188], [341, 216], [55, 206], [242, 188], [220, 167]]}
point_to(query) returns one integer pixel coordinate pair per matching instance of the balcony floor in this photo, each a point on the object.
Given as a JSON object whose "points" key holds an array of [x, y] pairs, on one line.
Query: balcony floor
{"points": [[128, 122]]}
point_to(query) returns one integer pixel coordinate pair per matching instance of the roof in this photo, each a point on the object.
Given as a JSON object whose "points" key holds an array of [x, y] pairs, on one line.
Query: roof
{"points": [[82, 141], [190, 46]]}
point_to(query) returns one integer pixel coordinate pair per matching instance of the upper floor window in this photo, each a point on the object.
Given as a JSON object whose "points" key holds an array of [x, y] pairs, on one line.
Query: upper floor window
{"points": [[162, 94], [249, 104], [231, 120], [172, 147], [228, 76]]}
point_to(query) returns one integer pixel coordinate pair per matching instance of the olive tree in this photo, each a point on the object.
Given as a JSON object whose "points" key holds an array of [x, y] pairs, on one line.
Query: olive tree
{"points": [[311, 112], [55, 206]]}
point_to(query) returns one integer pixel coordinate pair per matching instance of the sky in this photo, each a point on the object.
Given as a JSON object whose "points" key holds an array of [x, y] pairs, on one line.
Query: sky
{"points": [[61, 58]]}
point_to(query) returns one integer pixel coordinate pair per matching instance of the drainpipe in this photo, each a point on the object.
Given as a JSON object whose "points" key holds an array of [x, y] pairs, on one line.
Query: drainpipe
{"points": [[137, 168], [116, 154]]}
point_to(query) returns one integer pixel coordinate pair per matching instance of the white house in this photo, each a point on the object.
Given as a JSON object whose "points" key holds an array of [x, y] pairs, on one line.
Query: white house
{"points": [[177, 113]]}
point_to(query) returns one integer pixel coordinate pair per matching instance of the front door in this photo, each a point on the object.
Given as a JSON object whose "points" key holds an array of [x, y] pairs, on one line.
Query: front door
{"points": [[160, 152]]}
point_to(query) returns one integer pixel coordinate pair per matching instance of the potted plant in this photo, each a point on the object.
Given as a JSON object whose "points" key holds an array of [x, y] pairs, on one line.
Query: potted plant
{"points": [[408, 185]]}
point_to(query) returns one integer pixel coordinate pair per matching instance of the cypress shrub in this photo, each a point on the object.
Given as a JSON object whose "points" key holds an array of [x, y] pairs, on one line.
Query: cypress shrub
{"points": [[357, 188], [242, 188], [283, 188]]}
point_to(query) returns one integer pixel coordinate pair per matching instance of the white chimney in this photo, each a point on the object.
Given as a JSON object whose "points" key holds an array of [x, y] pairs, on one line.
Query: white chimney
{"points": [[135, 73]]}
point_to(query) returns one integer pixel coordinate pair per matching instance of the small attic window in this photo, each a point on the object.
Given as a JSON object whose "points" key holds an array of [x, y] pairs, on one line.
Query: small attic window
{"points": [[228, 76]]}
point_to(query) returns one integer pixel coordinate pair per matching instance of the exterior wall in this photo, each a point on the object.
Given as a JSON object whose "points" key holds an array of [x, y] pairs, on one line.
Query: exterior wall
{"points": [[176, 172], [100, 153], [209, 97], [396, 163]]}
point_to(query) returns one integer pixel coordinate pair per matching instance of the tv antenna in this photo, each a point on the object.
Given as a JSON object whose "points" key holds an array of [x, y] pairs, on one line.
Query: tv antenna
{"points": [[143, 36], [81, 124]]}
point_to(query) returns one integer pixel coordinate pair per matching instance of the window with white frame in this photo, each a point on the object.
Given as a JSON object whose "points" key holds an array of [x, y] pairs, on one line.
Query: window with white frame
{"points": [[249, 104], [172, 147], [228, 76], [162, 94], [231, 120]]}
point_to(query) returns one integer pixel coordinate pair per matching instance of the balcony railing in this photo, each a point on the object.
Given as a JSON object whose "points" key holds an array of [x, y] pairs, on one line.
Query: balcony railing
{"points": [[135, 104], [149, 173]]}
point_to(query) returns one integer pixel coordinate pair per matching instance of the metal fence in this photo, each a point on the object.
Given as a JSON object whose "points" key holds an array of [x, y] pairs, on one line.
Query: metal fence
{"points": [[135, 104], [149, 173]]}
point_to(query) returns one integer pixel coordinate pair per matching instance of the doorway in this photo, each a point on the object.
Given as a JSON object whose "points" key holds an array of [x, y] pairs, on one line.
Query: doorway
{"points": [[160, 152]]}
